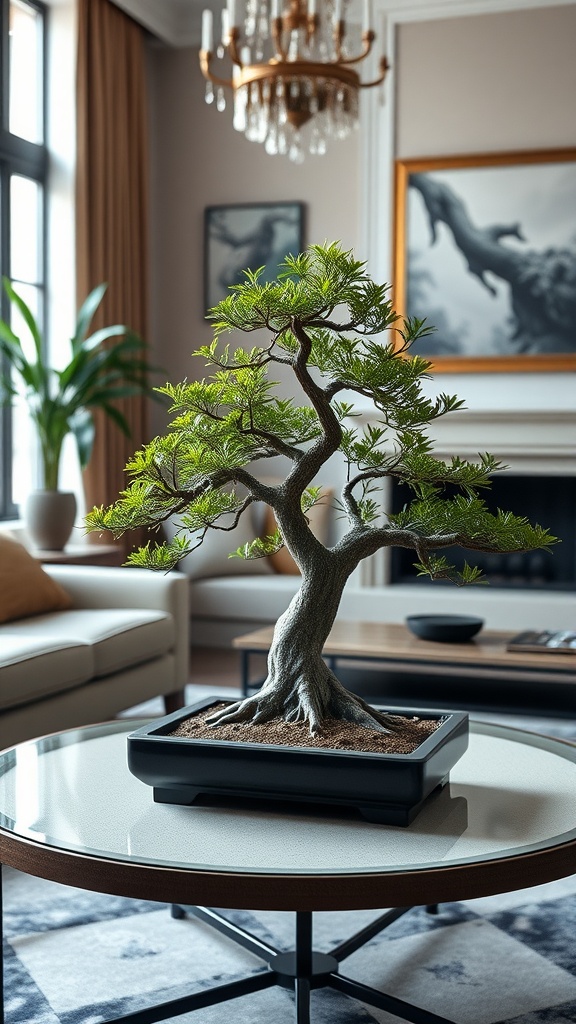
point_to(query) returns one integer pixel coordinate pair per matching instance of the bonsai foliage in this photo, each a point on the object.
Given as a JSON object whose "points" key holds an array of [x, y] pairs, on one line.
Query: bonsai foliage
{"points": [[320, 317], [60, 402]]}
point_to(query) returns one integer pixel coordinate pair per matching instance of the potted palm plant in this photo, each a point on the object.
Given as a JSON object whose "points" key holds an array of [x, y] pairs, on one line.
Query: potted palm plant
{"points": [[320, 316], [61, 402]]}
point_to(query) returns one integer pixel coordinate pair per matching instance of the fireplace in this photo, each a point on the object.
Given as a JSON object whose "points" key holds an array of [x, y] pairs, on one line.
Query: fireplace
{"points": [[538, 449], [548, 500]]}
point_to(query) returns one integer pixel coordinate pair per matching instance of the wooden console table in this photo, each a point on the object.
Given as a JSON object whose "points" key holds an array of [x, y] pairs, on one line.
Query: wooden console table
{"points": [[394, 647]]}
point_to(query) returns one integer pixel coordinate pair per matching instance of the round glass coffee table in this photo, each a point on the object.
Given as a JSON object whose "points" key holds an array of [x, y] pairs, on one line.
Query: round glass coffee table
{"points": [[71, 811]]}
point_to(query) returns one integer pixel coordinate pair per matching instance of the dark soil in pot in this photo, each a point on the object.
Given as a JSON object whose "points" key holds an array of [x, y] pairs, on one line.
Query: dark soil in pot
{"points": [[336, 735]]}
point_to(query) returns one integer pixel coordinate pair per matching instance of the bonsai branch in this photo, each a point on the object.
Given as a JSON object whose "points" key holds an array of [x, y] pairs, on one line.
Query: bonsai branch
{"points": [[267, 355], [280, 447], [313, 460], [237, 515], [258, 490], [367, 540]]}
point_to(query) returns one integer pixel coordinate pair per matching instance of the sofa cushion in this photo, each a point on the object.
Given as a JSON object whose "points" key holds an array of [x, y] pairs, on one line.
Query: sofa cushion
{"points": [[118, 637], [212, 558], [31, 668], [25, 589], [243, 599]]}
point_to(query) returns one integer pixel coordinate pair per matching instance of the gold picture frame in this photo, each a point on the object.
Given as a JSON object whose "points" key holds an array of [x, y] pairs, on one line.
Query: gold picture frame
{"points": [[496, 273]]}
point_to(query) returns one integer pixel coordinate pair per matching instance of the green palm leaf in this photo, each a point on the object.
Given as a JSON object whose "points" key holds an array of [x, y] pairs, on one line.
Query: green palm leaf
{"points": [[86, 315], [107, 365]]}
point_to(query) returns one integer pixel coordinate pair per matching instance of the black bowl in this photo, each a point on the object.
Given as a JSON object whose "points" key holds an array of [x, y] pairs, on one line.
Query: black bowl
{"points": [[447, 629]]}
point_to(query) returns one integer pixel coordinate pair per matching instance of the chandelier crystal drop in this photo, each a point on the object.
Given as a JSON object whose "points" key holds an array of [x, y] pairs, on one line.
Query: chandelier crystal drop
{"points": [[293, 82]]}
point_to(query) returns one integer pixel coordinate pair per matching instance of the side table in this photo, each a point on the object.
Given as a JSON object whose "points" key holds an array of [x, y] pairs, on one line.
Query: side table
{"points": [[82, 554], [506, 820]]}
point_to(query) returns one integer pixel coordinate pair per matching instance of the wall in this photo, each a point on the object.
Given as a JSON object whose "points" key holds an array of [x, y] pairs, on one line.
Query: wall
{"points": [[199, 160], [486, 83]]}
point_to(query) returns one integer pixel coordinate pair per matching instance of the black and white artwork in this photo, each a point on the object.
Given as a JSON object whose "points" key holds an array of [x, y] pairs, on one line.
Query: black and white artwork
{"points": [[246, 237], [490, 259]]}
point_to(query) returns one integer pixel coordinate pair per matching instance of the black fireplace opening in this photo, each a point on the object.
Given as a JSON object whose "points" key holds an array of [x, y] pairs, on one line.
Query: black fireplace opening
{"points": [[547, 500]]}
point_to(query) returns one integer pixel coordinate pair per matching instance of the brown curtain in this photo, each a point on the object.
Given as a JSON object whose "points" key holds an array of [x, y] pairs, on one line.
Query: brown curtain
{"points": [[112, 210]]}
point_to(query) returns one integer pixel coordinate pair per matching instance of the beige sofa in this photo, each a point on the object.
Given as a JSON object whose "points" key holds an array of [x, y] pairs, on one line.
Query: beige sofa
{"points": [[124, 640]]}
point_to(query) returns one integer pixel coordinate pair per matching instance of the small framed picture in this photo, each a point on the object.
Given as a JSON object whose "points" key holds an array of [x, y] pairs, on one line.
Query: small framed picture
{"points": [[485, 250], [246, 237]]}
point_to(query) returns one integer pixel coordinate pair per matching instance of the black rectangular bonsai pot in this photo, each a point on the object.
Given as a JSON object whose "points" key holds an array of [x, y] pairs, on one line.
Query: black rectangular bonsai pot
{"points": [[385, 788]]}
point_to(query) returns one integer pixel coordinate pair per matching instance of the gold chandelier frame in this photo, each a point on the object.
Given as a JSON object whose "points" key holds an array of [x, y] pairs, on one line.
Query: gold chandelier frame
{"points": [[281, 76]]}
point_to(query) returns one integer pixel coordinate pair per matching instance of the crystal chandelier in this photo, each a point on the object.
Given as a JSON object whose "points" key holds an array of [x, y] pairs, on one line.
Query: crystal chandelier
{"points": [[293, 81]]}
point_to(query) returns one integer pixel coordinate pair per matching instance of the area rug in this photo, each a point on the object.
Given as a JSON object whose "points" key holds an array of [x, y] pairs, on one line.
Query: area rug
{"points": [[76, 957]]}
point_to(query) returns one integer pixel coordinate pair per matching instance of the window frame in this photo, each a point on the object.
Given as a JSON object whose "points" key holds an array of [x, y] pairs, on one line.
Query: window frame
{"points": [[30, 159]]}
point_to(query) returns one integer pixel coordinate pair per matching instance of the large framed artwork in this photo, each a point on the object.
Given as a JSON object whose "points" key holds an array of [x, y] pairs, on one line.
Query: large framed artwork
{"points": [[245, 237], [485, 250]]}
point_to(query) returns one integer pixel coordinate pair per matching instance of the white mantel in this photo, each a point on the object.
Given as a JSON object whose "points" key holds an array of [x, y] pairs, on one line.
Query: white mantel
{"points": [[528, 442]]}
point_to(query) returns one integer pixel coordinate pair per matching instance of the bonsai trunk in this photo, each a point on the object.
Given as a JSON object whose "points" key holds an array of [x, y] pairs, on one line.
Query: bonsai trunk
{"points": [[299, 685]]}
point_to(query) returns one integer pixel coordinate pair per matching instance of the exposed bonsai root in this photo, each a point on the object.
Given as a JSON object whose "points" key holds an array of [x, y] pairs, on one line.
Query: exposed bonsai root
{"points": [[305, 702], [351, 708]]}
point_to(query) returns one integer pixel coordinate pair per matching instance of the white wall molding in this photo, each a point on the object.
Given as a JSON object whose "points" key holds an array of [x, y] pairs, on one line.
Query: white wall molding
{"points": [[539, 442], [424, 10]]}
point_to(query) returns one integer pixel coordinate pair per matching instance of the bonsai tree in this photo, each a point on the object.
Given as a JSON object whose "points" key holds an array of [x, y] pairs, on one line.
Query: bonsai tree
{"points": [[60, 402], [321, 316]]}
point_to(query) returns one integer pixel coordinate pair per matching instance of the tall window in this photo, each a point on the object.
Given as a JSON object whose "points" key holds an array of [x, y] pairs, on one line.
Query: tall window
{"points": [[23, 167]]}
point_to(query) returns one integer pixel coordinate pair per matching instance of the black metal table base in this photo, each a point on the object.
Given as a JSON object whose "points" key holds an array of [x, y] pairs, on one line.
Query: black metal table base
{"points": [[300, 971]]}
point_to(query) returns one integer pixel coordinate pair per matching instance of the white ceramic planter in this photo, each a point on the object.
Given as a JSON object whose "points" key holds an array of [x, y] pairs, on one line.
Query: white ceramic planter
{"points": [[49, 517]]}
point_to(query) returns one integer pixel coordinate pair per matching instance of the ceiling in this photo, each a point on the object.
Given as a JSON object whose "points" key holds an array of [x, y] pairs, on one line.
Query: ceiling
{"points": [[176, 22]]}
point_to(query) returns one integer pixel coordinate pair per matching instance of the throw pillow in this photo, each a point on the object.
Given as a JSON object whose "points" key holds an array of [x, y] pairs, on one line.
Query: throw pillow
{"points": [[319, 519], [212, 557], [25, 589]]}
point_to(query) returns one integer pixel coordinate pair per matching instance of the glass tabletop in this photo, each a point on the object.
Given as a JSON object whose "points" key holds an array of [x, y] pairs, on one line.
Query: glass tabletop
{"points": [[511, 793]]}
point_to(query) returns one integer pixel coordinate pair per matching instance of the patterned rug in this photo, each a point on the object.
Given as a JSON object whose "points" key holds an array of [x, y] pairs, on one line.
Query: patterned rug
{"points": [[73, 957], [76, 957]]}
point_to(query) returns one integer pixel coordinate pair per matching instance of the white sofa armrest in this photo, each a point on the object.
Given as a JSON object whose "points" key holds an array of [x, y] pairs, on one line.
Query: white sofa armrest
{"points": [[121, 587]]}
